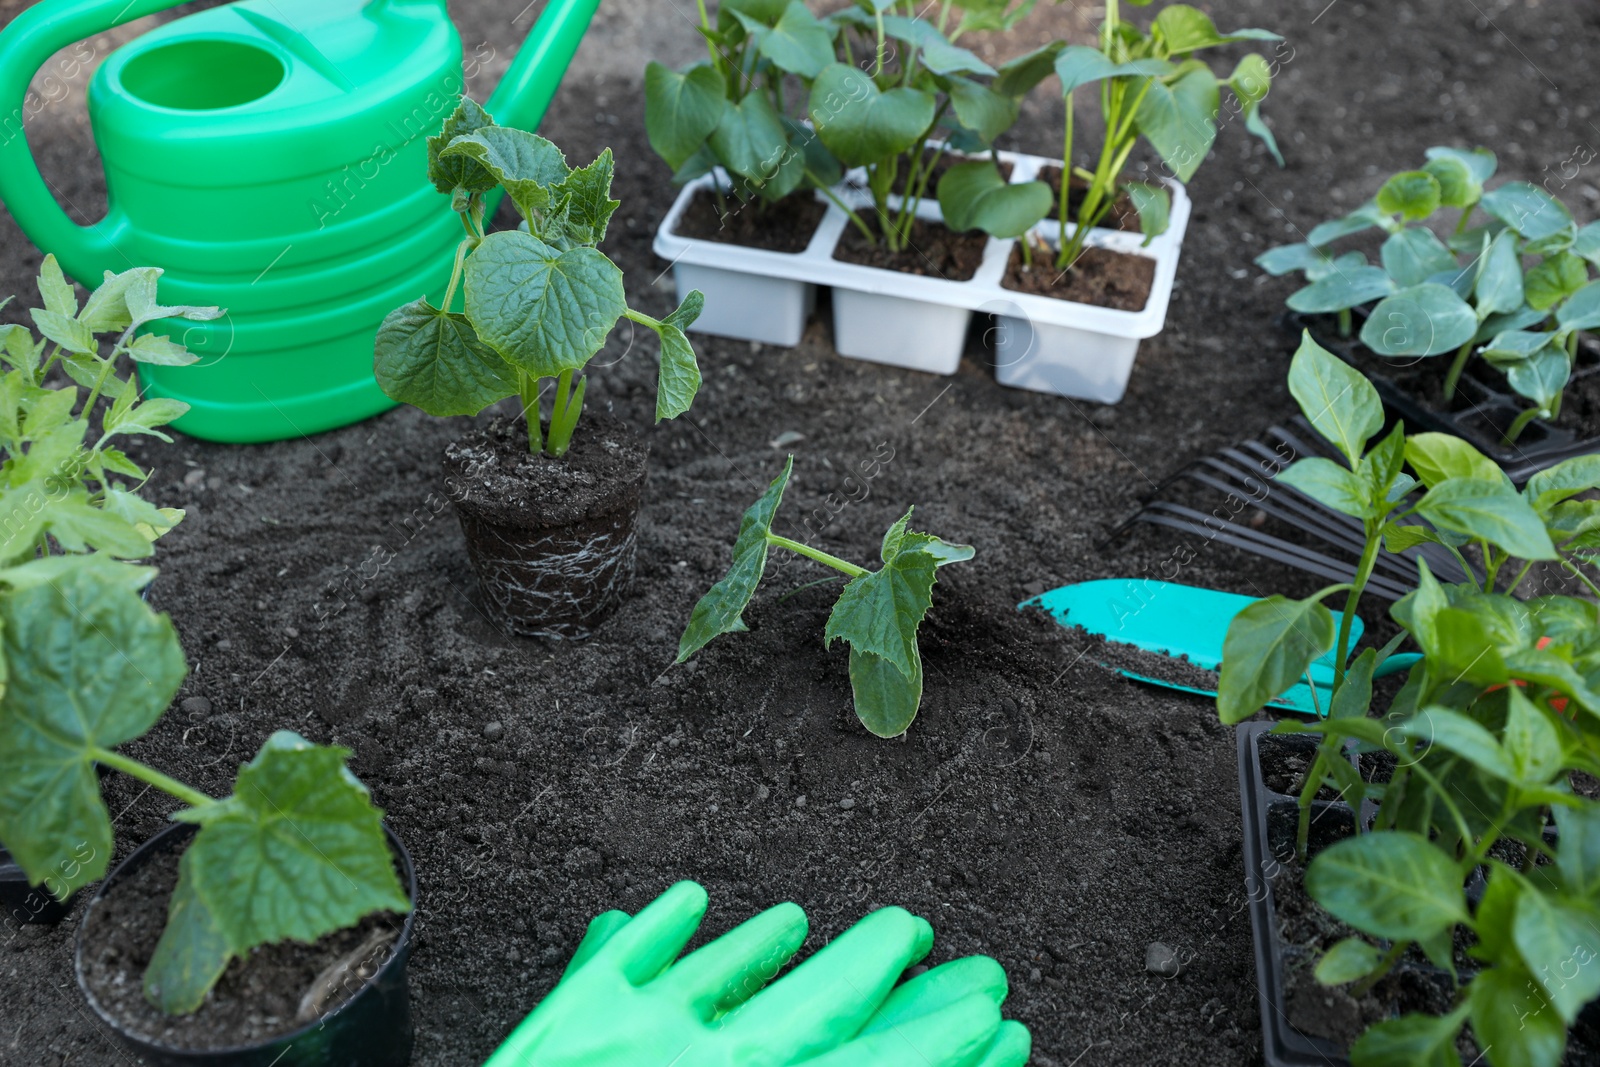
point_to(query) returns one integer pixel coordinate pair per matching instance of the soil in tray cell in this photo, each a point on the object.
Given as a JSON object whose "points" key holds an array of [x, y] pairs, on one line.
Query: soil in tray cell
{"points": [[785, 226], [256, 999], [933, 251], [1117, 280], [1122, 215]]}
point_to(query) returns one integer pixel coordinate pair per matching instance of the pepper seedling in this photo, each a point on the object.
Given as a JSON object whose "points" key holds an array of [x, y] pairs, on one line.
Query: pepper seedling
{"points": [[1470, 294], [60, 487], [1150, 85], [297, 851], [877, 613], [538, 301]]}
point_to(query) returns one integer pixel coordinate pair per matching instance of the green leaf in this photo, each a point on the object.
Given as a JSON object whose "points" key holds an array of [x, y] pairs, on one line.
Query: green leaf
{"points": [[1582, 309], [1578, 855], [1557, 939], [1460, 647], [859, 123], [1531, 742], [1018, 77], [460, 171], [296, 852], [1180, 120], [986, 113], [1250, 81], [1079, 65], [1457, 186], [798, 42], [145, 418], [1480, 162], [1493, 511], [1344, 288], [1411, 194], [20, 350], [1554, 279], [1499, 284], [1566, 479], [89, 665], [1514, 346], [434, 360], [524, 163], [1347, 961], [935, 51], [886, 700], [586, 207], [1390, 884], [1520, 319], [1512, 1020], [160, 351], [60, 298], [974, 196], [1338, 400], [1268, 648], [1286, 258], [1541, 377], [752, 142], [1154, 205], [681, 110], [78, 526], [680, 373], [879, 612], [1414, 255], [1438, 456], [1328, 483], [1414, 1040], [720, 611], [1423, 320], [70, 334], [1586, 242], [192, 953], [1185, 29], [1528, 209], [543, 311], [1362, 218], [1454, 732], [991, 14]]}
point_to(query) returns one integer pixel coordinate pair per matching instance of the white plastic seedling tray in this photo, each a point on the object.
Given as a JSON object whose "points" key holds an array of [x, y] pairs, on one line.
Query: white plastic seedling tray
{"points": [[916, 321]]}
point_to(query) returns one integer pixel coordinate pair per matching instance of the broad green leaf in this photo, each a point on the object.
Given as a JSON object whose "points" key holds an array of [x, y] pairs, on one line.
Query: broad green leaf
{"points": [[1520, 319], [1531, 742], [1180, 120], [1154, 205], [1578, 854], [459, 171], [1362, 218], [1460, 647], [543, 311], [79, 526], [144, 418], [89, 665], [766, 12], [1554, 279], [879, 612], [1493, 511], [974, 196], [1347, 961], [524, 163], [296, 852], [60, 297], [1079, 65], [798, 42], [1018, 76], [1457, 186], [1499, 285], [1454, 732], [586, 207], [1414, 255], [1558, 940], [681, 110], [1268, 648], [1582, 309], [1414, 1040], [434, 360], [1391, 884], [753, 143], [720, 611], [1338, 400], [150, 521], [1438, 456], [19, 348], [1586, 242], [1566, 479], [1528, 209], [1184, 29], [980, 109], [1285, 258], [1423, 320], [819, 163], [1491, 921], [1250, 81], [1541, 377], [935, 52], [991, 14], [886, 700], [861, 124], [1515, 346], [138, 303], [193, 951], [680, 373], [1411, 194], [69, 333], [160, 351], [1328, 483], [1513, 1021], [1343, 288], [1479, 161]]}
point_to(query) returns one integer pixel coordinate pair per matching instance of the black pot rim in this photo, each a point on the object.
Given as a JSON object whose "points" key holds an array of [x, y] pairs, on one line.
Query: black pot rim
{"points": [[165, 837]]}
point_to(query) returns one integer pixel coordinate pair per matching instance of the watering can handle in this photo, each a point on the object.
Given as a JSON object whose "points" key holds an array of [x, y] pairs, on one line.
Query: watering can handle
{"points": [[530, 82], [25, 46]]}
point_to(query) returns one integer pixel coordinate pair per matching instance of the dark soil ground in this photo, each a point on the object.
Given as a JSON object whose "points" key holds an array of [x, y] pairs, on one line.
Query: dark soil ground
{"points": [[1042, 810]]}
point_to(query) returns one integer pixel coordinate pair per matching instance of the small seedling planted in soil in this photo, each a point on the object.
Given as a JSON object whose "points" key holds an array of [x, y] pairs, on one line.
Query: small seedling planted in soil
{"points": [[877, 613]]}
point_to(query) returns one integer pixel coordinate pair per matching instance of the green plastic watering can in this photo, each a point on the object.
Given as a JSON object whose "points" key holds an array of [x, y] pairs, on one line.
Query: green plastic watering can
{"points": [[271, 156]]}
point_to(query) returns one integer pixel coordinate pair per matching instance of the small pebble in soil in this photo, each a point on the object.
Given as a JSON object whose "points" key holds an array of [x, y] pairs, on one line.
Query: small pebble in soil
{"points": [[194, 477], [1161, 960], [224, 645], [800, 801], [847, 803], [494, 731], [787, 438], [196, 707]]}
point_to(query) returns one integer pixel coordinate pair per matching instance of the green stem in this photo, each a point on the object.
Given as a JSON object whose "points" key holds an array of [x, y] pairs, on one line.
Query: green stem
{"points": [[1066, 178], [1346, 324], [855, 219], [1459, 364], [1492, 562], [528, 390], [1578, 574], [564, 415], [99, 383], [467, 243], [1385, 965], [1523, 573], [150, 776], [1308, 793], [1369, 559], [877, 69], [842, 566]]}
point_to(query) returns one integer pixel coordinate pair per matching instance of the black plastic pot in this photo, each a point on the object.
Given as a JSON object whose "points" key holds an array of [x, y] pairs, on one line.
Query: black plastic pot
{"points": [[24, 903], [1482, 424], [371, 1029]]}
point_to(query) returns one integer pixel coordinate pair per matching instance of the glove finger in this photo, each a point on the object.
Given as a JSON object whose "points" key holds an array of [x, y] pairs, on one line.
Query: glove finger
{"points": [[957, 1035], [1011, 1047], [651, 940], [734, 967], [829, 996], [943, 985], [601, 929]]}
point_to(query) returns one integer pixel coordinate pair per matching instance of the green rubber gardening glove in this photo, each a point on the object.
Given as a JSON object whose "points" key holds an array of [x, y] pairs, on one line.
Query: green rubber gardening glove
{"points": [[623, 1002]]}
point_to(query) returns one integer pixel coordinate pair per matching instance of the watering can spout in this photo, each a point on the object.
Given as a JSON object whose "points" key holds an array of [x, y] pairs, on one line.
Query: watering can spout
{"points": [[529, 84]]}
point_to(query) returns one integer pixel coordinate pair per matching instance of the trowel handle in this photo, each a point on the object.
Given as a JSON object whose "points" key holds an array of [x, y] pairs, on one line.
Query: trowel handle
{"points": [[1401, 661], [26, 45]]}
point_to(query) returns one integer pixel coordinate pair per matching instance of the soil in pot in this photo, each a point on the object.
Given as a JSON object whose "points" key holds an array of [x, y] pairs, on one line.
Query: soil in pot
{"points": [[552, 540], [277, 990], [786, 226], [1117, 280], [1122, 215], [933, 251]]}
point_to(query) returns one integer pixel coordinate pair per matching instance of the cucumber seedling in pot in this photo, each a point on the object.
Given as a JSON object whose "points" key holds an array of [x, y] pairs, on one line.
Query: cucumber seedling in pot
{"points": [[548, 512], [877, 614], [295, 853]]}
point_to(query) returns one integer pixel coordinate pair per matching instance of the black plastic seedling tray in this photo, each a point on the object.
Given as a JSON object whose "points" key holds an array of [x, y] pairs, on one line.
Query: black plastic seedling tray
{"points": [[1481, 424], [22, 902]]}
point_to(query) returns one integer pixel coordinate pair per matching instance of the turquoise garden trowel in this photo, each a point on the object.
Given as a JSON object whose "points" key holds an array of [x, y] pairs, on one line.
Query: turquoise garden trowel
{"points": [[1182, 621]]}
